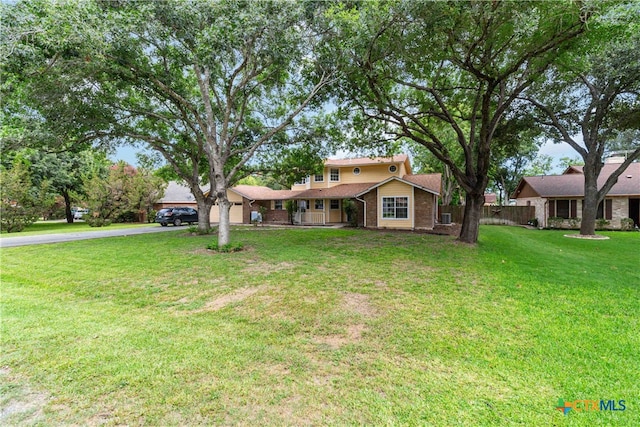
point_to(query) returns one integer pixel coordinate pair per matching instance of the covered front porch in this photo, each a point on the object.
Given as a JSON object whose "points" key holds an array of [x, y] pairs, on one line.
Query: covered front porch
{"points": [[320, 212]]}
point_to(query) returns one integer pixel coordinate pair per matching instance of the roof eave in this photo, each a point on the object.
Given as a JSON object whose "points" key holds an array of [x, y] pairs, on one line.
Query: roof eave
{"points": [[413, 184]]}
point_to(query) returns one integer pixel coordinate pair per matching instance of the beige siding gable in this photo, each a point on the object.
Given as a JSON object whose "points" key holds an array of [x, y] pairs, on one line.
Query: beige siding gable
{"points": [[395, 188], [368, 173]]}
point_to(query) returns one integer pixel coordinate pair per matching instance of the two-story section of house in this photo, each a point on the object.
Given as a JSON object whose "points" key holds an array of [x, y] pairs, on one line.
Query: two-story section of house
{"points": [[383, 190]]}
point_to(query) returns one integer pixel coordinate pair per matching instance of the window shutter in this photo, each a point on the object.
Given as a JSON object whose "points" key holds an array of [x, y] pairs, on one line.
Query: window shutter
{"points": [[552, 208], [574, 209], [608, 209]]}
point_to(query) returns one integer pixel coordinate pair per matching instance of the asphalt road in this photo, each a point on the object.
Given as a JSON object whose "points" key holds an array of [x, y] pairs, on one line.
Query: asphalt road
{"points": [[7, 242]]}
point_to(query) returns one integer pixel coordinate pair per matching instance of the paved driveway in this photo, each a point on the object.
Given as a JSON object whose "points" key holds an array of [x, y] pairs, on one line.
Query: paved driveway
{"points": [[7, 242]]}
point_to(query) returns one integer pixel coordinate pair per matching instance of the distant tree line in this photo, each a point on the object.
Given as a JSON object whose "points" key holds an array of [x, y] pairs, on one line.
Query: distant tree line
{"points": [[35, 184]]}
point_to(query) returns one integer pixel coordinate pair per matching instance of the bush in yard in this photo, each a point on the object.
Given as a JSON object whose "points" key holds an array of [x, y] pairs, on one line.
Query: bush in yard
{"points": [[20, 202], [96, 221], [555, 222], [151, 216], [601, 223], [121, 196], [626, 224], [128, 216], [574, 222], [229, 247]]}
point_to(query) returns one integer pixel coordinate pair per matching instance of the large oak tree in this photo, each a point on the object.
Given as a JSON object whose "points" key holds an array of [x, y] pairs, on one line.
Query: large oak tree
{"points": [[591, 100], [207, 84], [421, 67]]}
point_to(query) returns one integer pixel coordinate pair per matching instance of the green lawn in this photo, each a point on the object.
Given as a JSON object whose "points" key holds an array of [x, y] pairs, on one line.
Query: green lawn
{"points": [[321, 326]]}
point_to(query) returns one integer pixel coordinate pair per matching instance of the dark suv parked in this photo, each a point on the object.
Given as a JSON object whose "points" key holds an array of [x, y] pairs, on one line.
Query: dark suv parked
{"points": [[176, 216]]}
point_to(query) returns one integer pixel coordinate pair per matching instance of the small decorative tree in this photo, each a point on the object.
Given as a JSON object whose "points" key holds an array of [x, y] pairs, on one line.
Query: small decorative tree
{"points": [[263, 213], [291, 206], [351, 209]]}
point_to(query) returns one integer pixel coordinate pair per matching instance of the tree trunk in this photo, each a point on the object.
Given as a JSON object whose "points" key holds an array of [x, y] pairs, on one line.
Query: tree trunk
{"points": [[590, 203], [204, 214], [472, 214], [224, 228], [447, 186], [67, 207]]}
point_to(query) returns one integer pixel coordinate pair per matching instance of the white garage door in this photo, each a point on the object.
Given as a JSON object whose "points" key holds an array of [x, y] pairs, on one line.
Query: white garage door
{"points": [[235, 213]]}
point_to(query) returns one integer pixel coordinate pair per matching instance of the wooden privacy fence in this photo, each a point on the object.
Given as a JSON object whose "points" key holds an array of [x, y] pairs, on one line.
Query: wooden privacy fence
{"points": [[509, 215]]}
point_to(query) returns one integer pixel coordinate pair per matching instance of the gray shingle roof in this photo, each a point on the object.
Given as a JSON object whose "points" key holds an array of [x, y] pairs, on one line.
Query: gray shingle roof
{"points": [[341, 191], [571, 184], [256, 192]]}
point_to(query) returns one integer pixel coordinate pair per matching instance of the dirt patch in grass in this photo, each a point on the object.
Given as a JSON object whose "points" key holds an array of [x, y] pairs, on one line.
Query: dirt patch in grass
{"points": [[353, 303], [19, 404], [224, 300], [352, 335], [358, 304], [261, 267]]}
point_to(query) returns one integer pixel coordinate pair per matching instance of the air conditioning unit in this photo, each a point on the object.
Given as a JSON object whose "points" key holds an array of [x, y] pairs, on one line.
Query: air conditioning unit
{"points": [[446, 218]]}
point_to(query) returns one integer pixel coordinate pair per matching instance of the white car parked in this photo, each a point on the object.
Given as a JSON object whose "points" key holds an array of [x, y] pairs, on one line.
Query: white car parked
{"points": [[79, 213]]}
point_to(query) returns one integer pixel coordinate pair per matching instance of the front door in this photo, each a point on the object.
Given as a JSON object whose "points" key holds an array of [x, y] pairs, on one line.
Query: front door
{"points": [[634, 211]]}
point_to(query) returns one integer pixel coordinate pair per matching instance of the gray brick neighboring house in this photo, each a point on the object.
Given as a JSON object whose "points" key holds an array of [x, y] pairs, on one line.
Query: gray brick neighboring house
{"points": [[560, 196]]}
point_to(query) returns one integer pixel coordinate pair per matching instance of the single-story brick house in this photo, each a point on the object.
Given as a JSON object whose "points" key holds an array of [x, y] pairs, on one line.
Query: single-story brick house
{"points": [[561, 196], [385, 192]]}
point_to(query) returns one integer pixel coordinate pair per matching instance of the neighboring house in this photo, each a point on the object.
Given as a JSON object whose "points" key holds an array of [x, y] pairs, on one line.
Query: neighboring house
{"points": [[385, 192], [490, 199], [176, 195], [560, 196]]}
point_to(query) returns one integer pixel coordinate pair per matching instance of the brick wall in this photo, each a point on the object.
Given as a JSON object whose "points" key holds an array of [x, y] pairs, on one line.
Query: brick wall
{"points": [[372, 208], [360, 206], [273, 216], [246, 211], [423, 209]]}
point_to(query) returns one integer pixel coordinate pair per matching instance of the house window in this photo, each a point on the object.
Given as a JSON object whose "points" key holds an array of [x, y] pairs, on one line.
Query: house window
{"points": [[303, 205], [605, 209], [319, 205], [395, 207], [393, 168], [303, 181], [356, 171], [335, 205], [318, 178], [277, 205], [563, 208], [334, 175]]}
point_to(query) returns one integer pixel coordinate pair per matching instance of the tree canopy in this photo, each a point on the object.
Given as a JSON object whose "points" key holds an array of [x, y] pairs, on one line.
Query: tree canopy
{"points": [[438, 71], [207, 85], [590, 99]]}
